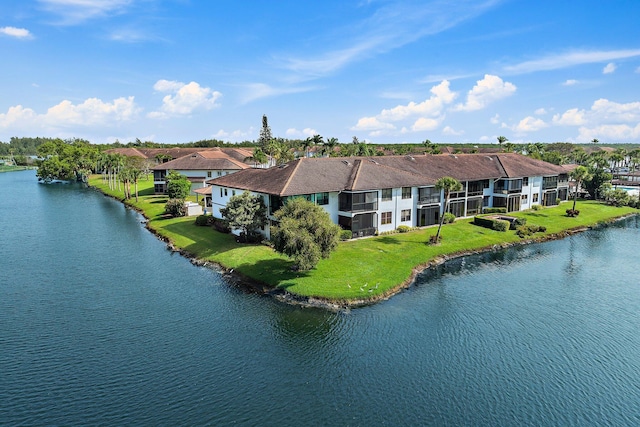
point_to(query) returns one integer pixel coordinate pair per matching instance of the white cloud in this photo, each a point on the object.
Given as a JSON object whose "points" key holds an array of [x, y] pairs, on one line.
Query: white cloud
{"points": [[489, 89], [428, 114], [540, 112], [570, 82], [572, 117], [638, 70], [389, 27], [425, 123], [371, 123], [495, 119], [184, 99], [529, 124], [606, 120], [448, 130], [570, 59], [304, 133], [613, 133], [255, 91], [234, 135], [76, 11], [609, 68], [433, 106], [19, 33], [91, 113]]}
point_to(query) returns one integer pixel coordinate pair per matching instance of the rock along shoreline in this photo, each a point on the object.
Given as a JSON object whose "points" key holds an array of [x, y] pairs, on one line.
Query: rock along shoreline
{"points": [[251, 285]]}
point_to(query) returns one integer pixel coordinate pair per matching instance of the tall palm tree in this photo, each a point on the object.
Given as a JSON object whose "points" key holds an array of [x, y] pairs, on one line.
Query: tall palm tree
{"points": [[502, 139], [448, 185], [329, 145], [579, 175]]}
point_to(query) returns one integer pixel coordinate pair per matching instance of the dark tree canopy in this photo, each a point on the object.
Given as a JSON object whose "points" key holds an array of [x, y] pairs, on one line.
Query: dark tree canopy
{"points": [[245, 212], [305, 233]]}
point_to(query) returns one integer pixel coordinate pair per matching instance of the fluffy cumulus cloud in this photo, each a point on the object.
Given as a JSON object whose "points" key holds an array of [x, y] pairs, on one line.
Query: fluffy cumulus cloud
{"points": [[529, 124], [19, 33], [489, 89], [448, 130], [570, 82], [304, 133], [609, 68], [91, 113], [183, 99], [605, 120], [425, 115]]}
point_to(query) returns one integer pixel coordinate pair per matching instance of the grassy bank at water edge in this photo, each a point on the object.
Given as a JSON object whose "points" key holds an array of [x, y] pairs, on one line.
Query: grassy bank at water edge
{"points": [[359, 269]]}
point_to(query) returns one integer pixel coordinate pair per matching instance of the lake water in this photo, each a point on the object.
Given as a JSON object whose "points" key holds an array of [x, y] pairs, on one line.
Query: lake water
{"points": [[101, 325]]}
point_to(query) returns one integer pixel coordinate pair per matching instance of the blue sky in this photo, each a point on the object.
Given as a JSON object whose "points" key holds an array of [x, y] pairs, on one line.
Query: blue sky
{"points": [[385, 71]]}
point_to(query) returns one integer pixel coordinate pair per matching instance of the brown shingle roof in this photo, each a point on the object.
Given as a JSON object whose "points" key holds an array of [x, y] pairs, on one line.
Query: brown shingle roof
{"points": [[203, 160], [317, 175]]}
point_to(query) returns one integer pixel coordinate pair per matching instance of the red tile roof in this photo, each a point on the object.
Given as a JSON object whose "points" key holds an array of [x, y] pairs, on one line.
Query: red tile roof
{"points": [[206, 160]]}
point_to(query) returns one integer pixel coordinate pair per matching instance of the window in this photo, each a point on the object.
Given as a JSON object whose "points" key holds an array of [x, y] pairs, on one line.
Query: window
{"points": [[208, 174], [385, 218], [535, 198], [405, 215], [233, 192], [525, 197], [386, 194], [322, 198], [428, 195], [406, 192], [220, 191], [225, 191], [525, 181], [219, 173]]}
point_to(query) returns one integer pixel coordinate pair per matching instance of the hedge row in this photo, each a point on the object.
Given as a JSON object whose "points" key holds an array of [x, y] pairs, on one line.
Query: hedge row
{"points": [[492, 223]]}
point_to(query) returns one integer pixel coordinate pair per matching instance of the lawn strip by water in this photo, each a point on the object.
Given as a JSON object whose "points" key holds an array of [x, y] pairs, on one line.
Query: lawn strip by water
{"points": [[359, 271]]}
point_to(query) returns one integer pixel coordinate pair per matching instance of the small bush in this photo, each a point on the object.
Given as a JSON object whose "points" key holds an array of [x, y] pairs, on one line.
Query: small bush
{"points": [[346, 235], [403, 228], [175, 208], [573, 212], [252, 236], [500, 225], [221, 225], [528, 230], [449, 218], [494, 210], [204, 220], [433, 240], [492, 223]]}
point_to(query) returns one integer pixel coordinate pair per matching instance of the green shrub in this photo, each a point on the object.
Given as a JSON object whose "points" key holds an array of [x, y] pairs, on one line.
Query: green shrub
{"points": [[536, 207], [203, 220], [494, 210], [221, 225], [175, 208], [449, 218], [528, 230], [346, 235], [573, 212], [500, 225], [403, 229], [491, 223]]}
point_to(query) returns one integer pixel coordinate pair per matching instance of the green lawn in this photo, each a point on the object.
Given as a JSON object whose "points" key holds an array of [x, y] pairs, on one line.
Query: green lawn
{"points": [[358, 269]]}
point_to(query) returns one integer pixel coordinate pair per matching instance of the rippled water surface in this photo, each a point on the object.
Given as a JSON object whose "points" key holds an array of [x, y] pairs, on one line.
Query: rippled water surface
{"points": [[101, 325]]}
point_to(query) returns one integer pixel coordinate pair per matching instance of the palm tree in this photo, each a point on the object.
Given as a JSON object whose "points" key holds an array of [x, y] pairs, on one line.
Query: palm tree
{"points": [[579, 175], [448, 185], [329, 145], [502, 139], [594, 141], [428, 146], [306, 144], [259, 157]]}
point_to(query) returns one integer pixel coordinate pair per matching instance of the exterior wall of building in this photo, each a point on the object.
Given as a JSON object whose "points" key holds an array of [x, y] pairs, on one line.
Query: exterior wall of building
{"points": [[395, 210]]}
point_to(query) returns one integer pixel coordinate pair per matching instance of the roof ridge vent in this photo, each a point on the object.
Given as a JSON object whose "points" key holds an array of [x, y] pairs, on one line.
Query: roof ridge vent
{"points": [[346, 162], [410, 158], [453, 155], [374, 162], [283, 166]]}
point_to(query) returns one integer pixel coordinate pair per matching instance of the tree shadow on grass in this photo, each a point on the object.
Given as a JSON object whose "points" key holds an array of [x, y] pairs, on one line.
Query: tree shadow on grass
{"points": [[388, 240]]}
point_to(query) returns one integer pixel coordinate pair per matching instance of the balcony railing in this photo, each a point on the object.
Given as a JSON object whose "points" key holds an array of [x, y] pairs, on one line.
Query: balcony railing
{"points": [[429, 200]]}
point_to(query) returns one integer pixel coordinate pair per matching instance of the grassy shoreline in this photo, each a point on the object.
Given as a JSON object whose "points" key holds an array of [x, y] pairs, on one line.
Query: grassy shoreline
{"points": [[360, 271]]}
